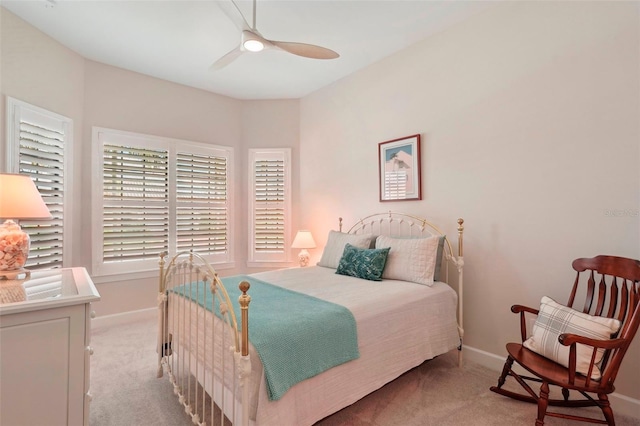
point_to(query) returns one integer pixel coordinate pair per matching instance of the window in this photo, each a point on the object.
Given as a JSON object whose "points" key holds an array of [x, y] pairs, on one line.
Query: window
{"points": [[39, 145], [269, 206], [155, 194], [202, 211]]}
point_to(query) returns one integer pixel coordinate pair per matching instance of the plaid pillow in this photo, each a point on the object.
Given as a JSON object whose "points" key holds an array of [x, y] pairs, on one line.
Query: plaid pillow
{"points": [[555, 319]]}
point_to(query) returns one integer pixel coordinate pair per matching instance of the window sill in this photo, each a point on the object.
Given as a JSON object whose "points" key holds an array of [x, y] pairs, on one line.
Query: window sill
{"points": [[138, 275], [269, 264]]}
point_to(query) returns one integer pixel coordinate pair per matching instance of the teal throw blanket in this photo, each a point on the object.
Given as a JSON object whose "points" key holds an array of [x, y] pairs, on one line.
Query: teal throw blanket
{"points": [[296, 336]]}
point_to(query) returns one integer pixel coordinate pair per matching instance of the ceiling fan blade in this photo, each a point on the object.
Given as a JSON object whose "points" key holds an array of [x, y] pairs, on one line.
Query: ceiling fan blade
{"points": [[233, 13], [307, 50], [226, 59]]}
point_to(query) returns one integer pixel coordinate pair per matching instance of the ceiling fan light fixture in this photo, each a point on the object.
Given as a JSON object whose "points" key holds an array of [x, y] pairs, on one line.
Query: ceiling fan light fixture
{"points": [[253, 41], [253, 45]]}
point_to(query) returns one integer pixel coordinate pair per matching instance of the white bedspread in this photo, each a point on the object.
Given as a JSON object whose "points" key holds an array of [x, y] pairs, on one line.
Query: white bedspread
{"points": [[400, 325]]}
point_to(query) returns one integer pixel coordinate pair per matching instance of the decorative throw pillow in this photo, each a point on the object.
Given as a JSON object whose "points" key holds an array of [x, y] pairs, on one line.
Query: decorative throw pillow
{"points": [[410, 259], [362, 263], [335, 246], [555, 319]]}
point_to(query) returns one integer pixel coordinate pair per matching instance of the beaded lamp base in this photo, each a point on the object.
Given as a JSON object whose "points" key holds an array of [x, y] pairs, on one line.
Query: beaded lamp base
{"points": [[303, 258], [14, 248]]}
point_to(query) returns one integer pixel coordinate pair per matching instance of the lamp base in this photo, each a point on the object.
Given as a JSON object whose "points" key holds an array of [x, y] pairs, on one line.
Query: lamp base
{"points": [[303, 258], [15, 274], [14, 247]]}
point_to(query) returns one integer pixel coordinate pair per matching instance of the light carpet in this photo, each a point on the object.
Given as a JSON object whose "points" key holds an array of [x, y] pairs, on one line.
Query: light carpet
{"points": [[126, 391]]}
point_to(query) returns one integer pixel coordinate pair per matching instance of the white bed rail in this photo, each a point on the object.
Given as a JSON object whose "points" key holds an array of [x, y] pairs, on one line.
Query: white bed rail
{"points": [[402, 225], [211, 392]]}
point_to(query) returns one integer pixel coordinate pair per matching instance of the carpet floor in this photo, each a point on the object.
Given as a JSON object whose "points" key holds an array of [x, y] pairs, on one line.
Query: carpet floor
{"points": [[126, 391]]}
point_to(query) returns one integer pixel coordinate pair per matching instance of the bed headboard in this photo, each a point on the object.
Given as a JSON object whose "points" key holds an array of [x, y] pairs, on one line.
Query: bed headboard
{"points": [[403, 225]]}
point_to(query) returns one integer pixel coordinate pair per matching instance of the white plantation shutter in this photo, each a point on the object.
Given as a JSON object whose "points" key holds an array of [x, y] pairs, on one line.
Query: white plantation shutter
{"points": [[201, 194], [270, 205], [269, 217], [38, 143], [135, 223], [157, 194]]}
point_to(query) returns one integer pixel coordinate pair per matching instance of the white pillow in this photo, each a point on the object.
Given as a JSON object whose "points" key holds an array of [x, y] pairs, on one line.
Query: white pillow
{"points": [[410, 259], [335, 246], [555, 319]]}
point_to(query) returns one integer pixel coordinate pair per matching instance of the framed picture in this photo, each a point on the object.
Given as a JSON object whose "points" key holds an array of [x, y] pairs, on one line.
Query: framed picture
{"points": [[399, 169]]}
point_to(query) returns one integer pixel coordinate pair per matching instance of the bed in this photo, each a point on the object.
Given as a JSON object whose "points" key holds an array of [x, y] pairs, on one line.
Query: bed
{"points": [[226, 369]]}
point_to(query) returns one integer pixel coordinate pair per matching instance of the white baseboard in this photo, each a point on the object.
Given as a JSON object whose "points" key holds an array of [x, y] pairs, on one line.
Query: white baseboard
{"points": [[124, 317], [621, 404]]}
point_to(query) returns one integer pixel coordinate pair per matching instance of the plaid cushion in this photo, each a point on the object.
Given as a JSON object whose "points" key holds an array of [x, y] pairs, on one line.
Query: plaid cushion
{"points": [[555, 319]]}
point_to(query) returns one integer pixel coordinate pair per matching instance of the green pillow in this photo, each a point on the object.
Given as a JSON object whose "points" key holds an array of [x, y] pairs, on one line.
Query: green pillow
{"points": [[362, 263]]}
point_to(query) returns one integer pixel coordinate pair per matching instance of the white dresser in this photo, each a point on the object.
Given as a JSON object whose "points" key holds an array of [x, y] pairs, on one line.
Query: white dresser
{"points": [[45, 336]]}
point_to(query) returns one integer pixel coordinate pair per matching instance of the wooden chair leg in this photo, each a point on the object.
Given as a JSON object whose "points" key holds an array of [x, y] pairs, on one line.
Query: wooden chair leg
{"points": [[565, 394], [543, 402], [606, 409], [505, 371]]}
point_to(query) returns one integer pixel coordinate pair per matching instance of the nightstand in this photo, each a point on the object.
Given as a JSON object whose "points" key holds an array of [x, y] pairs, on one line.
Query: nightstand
{"points": [[45, 335]]}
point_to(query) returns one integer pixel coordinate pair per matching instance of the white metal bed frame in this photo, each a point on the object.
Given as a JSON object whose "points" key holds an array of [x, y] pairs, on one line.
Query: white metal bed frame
{"points": [[176, 350]]}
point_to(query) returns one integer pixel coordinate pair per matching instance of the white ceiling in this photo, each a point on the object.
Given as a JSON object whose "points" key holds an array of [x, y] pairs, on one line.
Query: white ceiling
{"points": [[178, 40]]}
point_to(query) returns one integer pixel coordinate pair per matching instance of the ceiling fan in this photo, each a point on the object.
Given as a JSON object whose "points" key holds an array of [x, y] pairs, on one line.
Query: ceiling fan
{"points": [[252, 41]]}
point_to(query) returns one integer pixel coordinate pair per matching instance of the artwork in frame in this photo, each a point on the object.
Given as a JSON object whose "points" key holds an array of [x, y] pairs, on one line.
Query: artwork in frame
{"points": [[399, 169]]}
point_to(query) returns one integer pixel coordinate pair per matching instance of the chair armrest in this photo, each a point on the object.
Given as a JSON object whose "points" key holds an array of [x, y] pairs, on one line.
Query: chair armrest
{"points": [[516, 309], [571, 340], [568, 339], [522, 310]]}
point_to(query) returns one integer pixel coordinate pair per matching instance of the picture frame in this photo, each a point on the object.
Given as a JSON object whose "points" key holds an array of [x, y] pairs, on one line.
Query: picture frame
{"points": [[399, 169]]}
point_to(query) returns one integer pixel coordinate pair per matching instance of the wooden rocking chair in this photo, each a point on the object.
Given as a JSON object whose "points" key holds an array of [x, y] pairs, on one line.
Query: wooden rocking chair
{"points": [[611, 285]]}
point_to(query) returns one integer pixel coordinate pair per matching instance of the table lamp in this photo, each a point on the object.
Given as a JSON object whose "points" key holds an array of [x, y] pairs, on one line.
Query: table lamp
{"points": [[304, 241], [19, 199]]}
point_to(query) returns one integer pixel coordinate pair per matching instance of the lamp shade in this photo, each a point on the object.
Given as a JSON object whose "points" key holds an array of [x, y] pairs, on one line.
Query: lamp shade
{"points": [[20, 199], [303, 240]]}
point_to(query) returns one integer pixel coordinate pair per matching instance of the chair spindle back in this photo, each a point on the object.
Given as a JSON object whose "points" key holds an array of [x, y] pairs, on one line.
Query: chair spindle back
{"points": [[612, 284]]}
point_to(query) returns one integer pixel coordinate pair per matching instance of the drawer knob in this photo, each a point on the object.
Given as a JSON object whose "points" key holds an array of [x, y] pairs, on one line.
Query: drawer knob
{"points": [[89, 396], [89, 349], [92, 314]]}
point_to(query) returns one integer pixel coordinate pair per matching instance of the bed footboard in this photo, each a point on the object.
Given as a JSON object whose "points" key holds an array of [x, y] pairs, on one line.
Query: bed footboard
{"points": [[207, 362]]}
